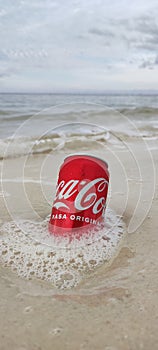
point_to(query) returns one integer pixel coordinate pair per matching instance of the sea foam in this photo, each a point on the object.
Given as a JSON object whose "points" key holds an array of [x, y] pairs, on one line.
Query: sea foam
{"points": [[30, 251]]}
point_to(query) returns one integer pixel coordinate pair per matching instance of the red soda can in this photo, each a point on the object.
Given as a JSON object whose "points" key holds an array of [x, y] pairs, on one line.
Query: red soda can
{"points": [[80, 195]]}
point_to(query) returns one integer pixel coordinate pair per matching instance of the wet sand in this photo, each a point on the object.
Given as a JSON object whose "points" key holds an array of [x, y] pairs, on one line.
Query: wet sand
{"points": [[114, 308]]}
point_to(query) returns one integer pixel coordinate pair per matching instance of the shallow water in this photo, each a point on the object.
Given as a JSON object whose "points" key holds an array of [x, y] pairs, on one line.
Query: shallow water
{"points": [[35, 120]]}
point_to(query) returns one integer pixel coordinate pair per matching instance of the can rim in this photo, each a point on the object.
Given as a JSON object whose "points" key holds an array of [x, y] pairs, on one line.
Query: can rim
{"points": [[86, 155]]}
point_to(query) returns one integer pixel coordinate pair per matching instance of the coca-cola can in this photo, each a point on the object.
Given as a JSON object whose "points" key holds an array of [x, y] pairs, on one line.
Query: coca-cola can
{"points": [[81, 194]]}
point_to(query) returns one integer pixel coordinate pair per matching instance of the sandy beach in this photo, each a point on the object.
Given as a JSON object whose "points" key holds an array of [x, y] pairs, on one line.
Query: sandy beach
{"points": [[78, 237], [115, 306]]}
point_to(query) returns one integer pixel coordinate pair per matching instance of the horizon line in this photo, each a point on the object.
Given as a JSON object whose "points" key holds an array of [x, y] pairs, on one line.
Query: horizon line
{"points": [[82, 92]]}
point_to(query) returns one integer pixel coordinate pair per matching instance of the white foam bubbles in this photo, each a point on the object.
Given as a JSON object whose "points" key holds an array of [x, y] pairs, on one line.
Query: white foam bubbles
{"points": [[29, 250]]}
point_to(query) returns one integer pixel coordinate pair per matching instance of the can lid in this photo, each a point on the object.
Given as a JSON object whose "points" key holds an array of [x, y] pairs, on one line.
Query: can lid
{"points": [[88, 156]]}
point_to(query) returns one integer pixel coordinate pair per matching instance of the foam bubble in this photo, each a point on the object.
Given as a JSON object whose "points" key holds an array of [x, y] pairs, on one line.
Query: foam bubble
{"points": [[29, 250]]}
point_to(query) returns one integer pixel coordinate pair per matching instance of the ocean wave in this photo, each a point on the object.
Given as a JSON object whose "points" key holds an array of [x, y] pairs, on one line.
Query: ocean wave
{"points": [[72, 140], [144, 111], [76, 136], [15, 147], [5, 112], [76, 112], [6, 117]]}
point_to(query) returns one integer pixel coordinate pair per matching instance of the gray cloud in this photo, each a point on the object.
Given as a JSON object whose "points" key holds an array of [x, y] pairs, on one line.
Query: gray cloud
{"points": [[141, 33], [77, 41], [6, 73], [156, 60], [147, 64], [103, 33], [137, 33], [147, 25]]}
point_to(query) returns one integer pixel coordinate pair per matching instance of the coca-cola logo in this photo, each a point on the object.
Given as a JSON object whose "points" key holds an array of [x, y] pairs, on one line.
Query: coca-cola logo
{"points": [[86, 194]]}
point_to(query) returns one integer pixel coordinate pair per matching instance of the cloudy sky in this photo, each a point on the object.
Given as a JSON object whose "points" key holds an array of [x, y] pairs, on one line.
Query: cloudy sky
{"points": [[78, 45]]}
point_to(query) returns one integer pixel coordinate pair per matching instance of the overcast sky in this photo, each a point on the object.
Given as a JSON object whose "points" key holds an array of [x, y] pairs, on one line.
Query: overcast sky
{"points": [[72, 45]]}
